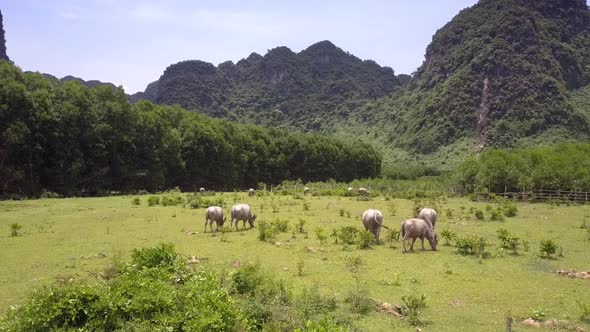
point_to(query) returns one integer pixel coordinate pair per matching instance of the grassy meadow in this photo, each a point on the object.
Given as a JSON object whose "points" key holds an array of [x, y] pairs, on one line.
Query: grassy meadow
{"points": [[74, 238]]}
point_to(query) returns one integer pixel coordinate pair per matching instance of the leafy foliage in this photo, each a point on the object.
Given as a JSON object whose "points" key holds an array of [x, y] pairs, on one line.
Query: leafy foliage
{"points": [[68, 139]]}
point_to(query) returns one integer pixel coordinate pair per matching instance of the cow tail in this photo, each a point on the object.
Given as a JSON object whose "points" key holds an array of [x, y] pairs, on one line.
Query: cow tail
{"points": [[401, 231]]}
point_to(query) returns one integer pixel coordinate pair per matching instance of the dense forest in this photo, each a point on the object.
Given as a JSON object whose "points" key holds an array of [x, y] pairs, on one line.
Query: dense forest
{"points": [[559, 167], [3, 55], [67, 138]]}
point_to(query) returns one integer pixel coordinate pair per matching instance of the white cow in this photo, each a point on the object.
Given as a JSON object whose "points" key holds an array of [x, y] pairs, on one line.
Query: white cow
{"points": [[242, 212], [214, 214], [251, 192]]}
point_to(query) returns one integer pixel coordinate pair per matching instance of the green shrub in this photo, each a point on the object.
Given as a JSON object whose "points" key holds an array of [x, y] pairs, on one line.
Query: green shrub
{"points": [[548, 248], [584, 312], [160, 256], [319, 233], [341, 212], [348, 234], [496, 215], [392, 209], [300, 225], [448, 235], [266, 231], [413, 307], [508, 240], [479, 214], [510, 209], [198, 201], [136, 201], [281, 225], [14, 228], [49, 194], [306, 206], [153, 200], [311, 302], [392, 235], [472, 245], [365, 239], [324, 325], [360, 301]]}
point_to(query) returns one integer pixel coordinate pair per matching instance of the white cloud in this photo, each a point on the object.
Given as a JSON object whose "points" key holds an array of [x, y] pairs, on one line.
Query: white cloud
{"points": [[147, 11]]}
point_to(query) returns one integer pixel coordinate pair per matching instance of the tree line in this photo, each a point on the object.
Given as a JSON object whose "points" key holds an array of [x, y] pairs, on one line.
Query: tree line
{"points": [[69, 139], [559, 167]]}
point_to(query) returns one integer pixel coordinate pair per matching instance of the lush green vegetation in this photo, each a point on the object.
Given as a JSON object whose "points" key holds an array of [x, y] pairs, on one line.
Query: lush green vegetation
{"points": [[66, 138], [82, 251], [558, 167], [533, 55], [3, 55]]}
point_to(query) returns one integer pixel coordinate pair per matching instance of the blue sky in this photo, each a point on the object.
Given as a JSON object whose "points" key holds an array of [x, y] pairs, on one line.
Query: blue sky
{"points": [[130, 43]]}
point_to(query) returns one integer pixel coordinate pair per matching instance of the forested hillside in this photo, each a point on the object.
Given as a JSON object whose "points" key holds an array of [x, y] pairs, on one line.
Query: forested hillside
{"points": [[67, 138], [282, 88], [500, 74]]}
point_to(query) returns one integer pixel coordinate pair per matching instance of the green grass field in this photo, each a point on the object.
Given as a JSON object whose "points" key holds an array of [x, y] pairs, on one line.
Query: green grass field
{"points": [[76, 237]]}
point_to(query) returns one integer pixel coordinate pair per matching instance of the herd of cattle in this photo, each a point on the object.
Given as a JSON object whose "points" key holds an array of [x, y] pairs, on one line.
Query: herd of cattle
{"points": [[421, 227]]}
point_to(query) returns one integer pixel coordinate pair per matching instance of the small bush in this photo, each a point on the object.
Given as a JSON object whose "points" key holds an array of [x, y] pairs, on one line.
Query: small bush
{"points": [[479, 214], [360, 301], [281, 225], [266, 231], [300, 225], [413, 307], [510, 209], [497, 215], [472, 245], [319, 233], [348, 234], [300, 267], [14, 228], [392, 209], [311, 302], [136, 201], [548, 248], [306, 206], [49, 194], [448, 236], [365, 239], [508, 240], [449, 213], [153, 200], [391, 236], [160, 256], [584, 312], [224, 230], [348, 214], [341, 212]]}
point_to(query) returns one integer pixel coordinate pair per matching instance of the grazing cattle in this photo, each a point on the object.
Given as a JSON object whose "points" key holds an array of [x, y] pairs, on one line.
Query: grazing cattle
{"points": [[306, 190], [202, 190], [363, 192], [429, 215], [242, 212], [251, 192], [350, 189], [373, 221], [214, 214], [417, 228]]}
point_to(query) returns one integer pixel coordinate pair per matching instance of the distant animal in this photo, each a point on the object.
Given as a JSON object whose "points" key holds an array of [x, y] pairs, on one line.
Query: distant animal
{"points": [[429, 215], [242, 212], [202, 189], [306, 190], [251, 192], [350, 189], [214, 214], [363, 192], [417, 228], [373, 221]]}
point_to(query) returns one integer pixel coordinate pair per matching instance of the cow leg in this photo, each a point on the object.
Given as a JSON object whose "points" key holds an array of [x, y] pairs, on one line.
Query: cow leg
{"points": [[422, 239], [206, 225], [236, 224], [403, 246], [377, 234], [412, 245]]}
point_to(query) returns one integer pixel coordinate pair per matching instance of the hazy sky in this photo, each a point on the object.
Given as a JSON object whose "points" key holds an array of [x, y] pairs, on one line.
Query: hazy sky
{"points": [[130, 43]]}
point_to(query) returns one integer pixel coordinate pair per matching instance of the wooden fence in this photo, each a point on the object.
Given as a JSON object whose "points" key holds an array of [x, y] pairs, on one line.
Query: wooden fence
{"points": [[544, 195]]}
